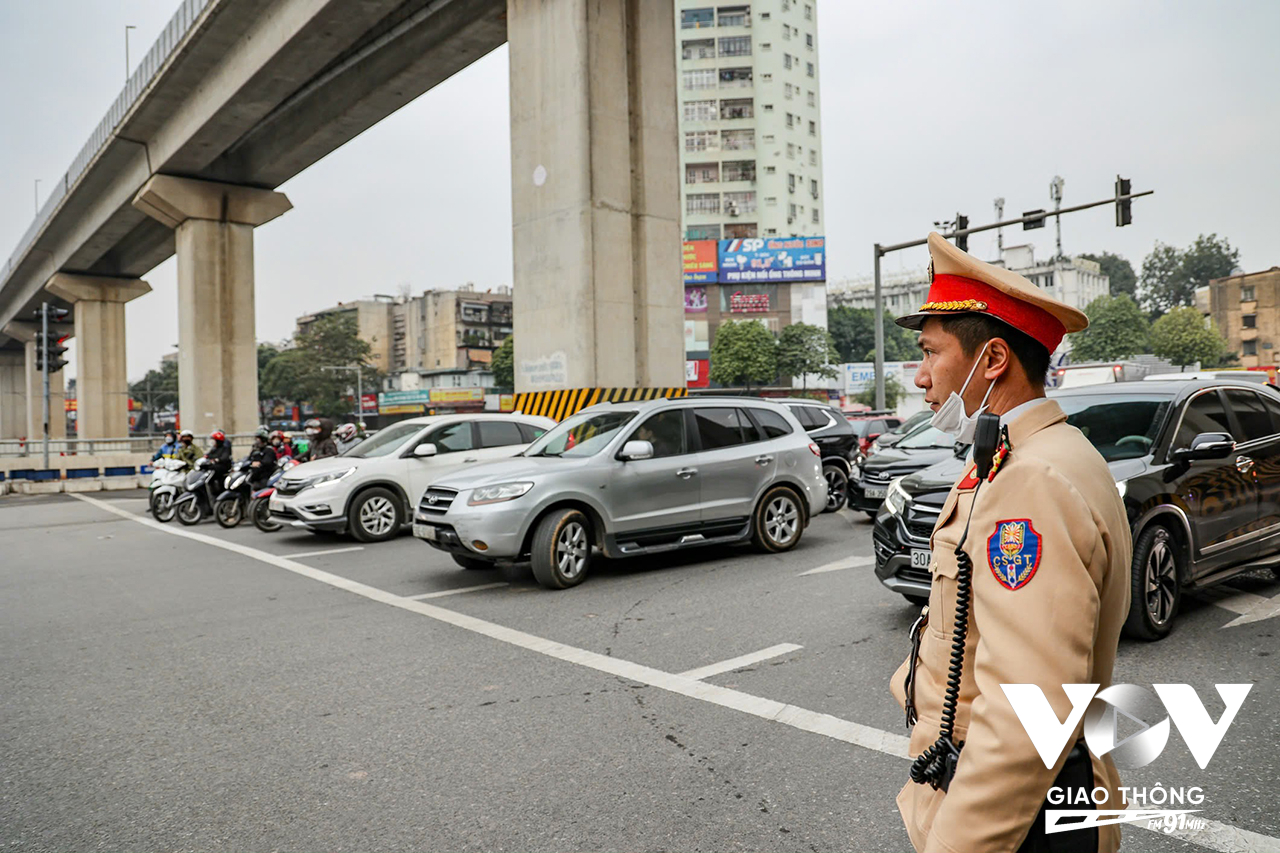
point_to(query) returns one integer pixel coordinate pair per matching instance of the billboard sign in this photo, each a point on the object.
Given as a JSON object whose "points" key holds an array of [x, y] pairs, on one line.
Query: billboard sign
{"points": [[696, 373], [695, 299], [454, 396], [764, 259], [700, 257]]}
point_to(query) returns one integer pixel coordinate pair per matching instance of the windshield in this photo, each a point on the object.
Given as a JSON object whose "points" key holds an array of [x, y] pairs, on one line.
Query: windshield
{"points": [[1121, 427], [386, 442], [584, 434], [912, 422], [926, 436]]}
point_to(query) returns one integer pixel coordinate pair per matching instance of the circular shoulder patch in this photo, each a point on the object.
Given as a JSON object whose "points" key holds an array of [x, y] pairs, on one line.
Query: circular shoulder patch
{"points": [[1013, 552]]}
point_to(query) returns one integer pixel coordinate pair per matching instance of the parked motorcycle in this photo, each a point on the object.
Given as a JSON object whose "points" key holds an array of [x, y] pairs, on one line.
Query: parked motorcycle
{"points": [[259, 509], [232, 505], [197, 502], [167, 481]]}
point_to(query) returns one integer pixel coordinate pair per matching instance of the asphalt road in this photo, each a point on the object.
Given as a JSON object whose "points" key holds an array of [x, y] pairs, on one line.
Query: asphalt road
{"points": [[205, 689]]}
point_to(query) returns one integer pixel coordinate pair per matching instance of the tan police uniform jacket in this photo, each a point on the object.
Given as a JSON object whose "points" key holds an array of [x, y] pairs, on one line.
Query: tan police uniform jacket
{"points": [[1054, 506]]}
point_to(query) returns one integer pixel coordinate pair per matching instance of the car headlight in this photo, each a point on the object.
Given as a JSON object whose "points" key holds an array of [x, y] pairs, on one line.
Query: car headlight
{"points": [[328, 479], [896, 498], [498, 493]]}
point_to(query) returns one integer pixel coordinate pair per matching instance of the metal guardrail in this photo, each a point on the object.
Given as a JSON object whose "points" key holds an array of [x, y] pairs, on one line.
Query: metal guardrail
{"points": [[161, 50], [12, 447]]}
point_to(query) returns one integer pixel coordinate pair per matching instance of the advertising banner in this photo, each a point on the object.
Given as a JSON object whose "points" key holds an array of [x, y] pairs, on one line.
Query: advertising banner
{"points": [[453, 396], [368, 404], [405, 409], [760, 259], [697, 373], [700, 257], [697, 336], [695, 299], [860, 376], [749, 299]]}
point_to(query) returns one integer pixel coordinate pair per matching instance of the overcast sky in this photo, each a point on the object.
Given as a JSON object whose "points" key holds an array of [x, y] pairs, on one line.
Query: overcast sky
{"points": [[927, 109]]}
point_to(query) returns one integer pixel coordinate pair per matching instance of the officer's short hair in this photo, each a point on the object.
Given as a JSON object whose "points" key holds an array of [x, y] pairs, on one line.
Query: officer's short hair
{"points": [[973, 330]]}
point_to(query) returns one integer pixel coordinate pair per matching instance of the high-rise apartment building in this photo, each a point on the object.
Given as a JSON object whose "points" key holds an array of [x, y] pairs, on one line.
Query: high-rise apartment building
{"points": [[750, 126]]}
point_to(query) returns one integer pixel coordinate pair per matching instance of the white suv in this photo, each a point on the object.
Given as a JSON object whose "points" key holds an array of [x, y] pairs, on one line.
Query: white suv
{"points": [[370, 490]]}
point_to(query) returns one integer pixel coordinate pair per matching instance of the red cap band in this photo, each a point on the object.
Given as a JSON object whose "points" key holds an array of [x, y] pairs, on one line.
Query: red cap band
{"points": [[1023, 316]]}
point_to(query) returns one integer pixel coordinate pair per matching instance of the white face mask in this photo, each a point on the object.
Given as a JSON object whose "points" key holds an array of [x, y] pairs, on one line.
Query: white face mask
{"points": [[951, 416]]}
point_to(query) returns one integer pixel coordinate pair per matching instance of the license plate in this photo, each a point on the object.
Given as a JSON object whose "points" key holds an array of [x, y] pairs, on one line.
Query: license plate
{"points": [[875, 493], [920, 559], [425, 531], [275, 505]]}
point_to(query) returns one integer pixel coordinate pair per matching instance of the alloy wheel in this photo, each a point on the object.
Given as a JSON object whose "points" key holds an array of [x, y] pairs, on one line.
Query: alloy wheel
{"points": [[782, 520], [377, 516], [1161, 580], [572, 550]]}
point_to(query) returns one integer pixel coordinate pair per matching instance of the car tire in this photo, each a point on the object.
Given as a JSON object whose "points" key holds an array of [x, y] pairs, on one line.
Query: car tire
{"points": [[837, 487], [1156, 584], [189, 513], [375, 515], [474, 564], [778, 522], [561, 553], [917, 600]]}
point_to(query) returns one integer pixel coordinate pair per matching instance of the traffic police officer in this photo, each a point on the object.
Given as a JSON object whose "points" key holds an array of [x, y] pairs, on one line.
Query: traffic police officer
{"points": [[1034, 559]]}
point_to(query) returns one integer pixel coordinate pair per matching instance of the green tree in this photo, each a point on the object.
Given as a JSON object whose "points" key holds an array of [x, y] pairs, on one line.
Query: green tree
{"points": [[893, 391], [1170, 276], [1117, 329], [158, 390], [299, 373], [1209, 257], [1118, 269], [805, 350], [504, 363], [743, 352], [853, 332], [1184, 336]]}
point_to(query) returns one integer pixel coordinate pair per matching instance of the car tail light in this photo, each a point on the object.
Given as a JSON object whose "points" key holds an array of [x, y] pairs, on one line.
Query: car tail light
{"points": [[814, 448]]}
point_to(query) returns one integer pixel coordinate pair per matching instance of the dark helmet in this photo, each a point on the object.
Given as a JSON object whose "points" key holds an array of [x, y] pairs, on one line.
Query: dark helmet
{"points": [[262, 435]]}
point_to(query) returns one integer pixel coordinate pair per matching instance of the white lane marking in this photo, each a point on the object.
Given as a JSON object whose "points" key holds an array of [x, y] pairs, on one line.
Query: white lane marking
{"points": [[1248, 606], [1263, 608], [442, 593], [739, 662], [326, 551], [841, 565], [1215, 835]]}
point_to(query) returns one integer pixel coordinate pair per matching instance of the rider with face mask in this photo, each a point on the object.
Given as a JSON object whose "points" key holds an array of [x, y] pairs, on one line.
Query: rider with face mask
{"points": [[1030, 574], [320, 433]]}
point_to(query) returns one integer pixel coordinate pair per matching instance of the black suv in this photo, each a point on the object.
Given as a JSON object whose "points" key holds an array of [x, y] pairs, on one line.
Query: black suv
{"points": [[837, 442], [924, 446], [1198, 465]]}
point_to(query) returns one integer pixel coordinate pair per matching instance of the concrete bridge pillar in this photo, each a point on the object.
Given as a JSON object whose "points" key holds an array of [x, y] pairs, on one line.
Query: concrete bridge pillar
{"points": [[599, 298], [217, 347], [13, 394], [31, 413], [102, 381]]}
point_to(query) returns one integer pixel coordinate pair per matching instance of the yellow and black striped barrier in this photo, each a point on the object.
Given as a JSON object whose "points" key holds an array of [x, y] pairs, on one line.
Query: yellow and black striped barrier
{"points": [[559, 405]]}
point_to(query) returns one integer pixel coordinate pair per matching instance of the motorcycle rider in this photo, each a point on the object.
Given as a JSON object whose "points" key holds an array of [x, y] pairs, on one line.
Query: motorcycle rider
{"points": [[262, 459], [187, 450], [346, 437], [280, 444], [220, 456], [168, 448], [320, 433]]}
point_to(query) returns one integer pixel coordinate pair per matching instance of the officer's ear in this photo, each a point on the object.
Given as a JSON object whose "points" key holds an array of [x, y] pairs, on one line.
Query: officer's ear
{"points": [[1000, 359]]}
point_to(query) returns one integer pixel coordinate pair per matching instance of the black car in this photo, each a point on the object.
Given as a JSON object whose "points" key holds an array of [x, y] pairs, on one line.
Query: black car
{"points": [[837, 442], [893, 436], [924, 446], [1198, 465]]}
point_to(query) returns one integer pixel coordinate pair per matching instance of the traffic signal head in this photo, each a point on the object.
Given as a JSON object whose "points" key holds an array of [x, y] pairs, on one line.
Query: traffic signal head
{"points": [[49, 352], [1124, 206], [962, 240]]}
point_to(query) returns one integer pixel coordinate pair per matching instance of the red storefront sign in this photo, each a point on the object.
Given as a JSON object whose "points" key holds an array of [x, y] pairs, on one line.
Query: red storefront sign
{"points": [[749, 303]]}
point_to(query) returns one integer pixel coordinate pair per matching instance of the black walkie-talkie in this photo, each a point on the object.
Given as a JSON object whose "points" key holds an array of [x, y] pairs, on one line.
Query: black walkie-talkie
{"points": [[937, 765]]}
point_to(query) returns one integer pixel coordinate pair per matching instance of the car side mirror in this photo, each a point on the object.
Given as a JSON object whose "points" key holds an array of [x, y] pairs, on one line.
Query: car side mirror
{"points": [[636, 449], [424, 450], [1206, 445]]}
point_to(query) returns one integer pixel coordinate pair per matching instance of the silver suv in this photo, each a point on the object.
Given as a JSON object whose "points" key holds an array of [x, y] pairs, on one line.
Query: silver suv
{"points": [[629, 479]]}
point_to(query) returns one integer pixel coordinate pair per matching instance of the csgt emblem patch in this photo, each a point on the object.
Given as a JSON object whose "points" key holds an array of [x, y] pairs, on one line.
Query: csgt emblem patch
{"points": [[1014, 552]]}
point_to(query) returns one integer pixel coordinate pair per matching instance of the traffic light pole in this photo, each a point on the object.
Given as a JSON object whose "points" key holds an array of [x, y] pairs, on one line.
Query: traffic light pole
{"points": [[44, 342], [881, 251]]}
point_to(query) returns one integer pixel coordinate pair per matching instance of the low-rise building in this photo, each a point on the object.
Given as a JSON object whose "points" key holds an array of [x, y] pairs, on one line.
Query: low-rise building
{"points": [[1244, 309]]}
